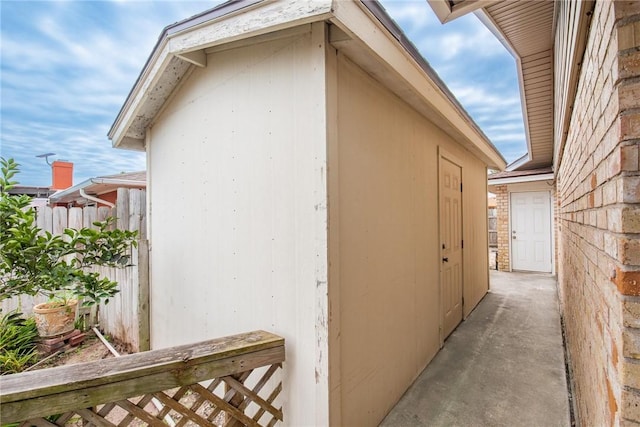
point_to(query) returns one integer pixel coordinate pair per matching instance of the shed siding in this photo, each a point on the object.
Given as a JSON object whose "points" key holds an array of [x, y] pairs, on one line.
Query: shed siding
{"points": [[238, 225], [388, 251]]}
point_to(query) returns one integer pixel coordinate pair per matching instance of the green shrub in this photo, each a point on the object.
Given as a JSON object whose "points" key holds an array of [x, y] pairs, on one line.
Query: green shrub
{"points": [[17, 343], [34, 262]]}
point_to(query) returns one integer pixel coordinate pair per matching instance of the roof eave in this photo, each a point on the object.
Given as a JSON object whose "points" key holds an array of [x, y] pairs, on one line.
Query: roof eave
{"points": [[181, 47], [159, 77], [394, 50], [446, 12], [521, 179]]}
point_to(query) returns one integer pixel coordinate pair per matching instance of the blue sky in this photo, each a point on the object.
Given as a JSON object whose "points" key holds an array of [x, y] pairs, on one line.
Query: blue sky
{"points": [[67, 67]]}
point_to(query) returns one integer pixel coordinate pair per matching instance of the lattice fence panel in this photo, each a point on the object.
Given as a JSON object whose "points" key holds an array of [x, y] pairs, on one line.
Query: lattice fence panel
{"points": [[246, 399]]}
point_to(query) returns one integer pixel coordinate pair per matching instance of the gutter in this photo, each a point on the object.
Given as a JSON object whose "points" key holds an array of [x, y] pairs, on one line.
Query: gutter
{"points": [[80, 188], [116, 181], [525, 178], [95, 199]]}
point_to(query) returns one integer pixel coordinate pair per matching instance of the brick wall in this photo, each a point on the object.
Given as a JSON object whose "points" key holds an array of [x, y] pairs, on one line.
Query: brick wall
{"points": [[502, 204], [598, 188]]}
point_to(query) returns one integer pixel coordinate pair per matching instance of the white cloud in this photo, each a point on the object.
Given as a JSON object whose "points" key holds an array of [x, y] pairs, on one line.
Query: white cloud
{"points": [[67, 67]]}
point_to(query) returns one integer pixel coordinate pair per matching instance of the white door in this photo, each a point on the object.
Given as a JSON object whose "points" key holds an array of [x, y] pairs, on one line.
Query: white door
{"points": [[531, 231], [451, 245]]}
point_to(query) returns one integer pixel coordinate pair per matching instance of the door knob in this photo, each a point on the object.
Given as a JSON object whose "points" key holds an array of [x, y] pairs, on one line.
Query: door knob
{"points": [[445, 259]]}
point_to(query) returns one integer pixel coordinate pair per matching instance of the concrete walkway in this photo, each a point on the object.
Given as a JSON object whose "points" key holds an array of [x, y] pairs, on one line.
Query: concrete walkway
{"points": [[503, 366]]}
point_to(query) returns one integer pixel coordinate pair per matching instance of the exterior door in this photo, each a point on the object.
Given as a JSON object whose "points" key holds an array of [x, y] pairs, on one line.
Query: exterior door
{"points": [[531, 231], [451, 245]]}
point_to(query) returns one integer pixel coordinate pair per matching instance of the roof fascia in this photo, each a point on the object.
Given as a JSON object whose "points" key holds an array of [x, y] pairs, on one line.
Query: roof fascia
{"points": [[173, 56], [518, 179], [68, 191], [86, 184], [445, 12], [518, 163], [115, 181], [396, 53]]}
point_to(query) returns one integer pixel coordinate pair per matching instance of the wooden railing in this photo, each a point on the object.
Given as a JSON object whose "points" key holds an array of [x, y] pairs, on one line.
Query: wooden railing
{"points": [[228, 381]]}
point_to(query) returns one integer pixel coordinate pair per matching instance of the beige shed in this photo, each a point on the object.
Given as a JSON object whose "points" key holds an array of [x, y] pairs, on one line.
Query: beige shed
{"points": [[310, 175]]}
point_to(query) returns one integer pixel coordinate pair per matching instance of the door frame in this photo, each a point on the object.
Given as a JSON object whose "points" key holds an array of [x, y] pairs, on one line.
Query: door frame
{"points": [[447, 155], [552, 224]]}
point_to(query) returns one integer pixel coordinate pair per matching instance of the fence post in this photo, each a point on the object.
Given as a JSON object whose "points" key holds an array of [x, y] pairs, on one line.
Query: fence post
{"points": [[144, 331]]}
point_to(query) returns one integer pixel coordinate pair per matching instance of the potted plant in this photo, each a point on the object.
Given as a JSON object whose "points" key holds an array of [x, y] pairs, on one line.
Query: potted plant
{"points": [[34, 262]]}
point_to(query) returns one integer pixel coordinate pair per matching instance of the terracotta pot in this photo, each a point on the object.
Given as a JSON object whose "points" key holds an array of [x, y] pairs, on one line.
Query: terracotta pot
{"points": [[54, 319]]}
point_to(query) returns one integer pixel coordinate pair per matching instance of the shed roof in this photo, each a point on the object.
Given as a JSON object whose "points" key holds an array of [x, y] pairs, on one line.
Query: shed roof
{"points": [[387, 55]]}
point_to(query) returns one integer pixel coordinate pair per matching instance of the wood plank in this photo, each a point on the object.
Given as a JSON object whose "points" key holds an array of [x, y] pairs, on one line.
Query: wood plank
{"points": [[140, 413], [185, 412], [143, 213], [234, 412], [55, 390], [38, 422], [144, 329], [48, 219], [122, 209], [276, 391], [89, 216], [254, 397], [59, 220], [94, 418], [75, 218], [104, 212], [135, 209]]}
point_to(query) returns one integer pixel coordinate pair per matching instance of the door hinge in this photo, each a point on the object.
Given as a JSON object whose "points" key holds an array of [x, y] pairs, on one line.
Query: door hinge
{"points": [[463, 301], [461, 187], [462, 243]]}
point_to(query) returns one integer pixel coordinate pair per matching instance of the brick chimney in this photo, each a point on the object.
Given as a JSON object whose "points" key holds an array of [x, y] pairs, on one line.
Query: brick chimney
{"points": [[62, 174]]}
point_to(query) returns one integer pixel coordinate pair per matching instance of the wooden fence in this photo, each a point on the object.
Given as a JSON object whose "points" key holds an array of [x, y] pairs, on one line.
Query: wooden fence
{"points": [[493, 227], [227, 381], [126, 316]]}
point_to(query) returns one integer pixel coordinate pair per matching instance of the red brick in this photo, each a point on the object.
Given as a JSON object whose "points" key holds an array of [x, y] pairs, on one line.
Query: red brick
{"points": [[630, 220], [77, 339], [624, 9], [629, 157], [630, 405], [627, 282], [628, 66], [631, 373], [629, 251]]}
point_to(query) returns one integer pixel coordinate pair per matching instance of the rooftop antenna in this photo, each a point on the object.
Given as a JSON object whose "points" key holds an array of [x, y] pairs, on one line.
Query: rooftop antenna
{"points": [[46, 157]]}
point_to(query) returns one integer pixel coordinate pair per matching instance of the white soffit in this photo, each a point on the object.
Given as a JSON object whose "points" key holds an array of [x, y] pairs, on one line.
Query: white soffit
{"points": [[525, 28], [448, 10]]}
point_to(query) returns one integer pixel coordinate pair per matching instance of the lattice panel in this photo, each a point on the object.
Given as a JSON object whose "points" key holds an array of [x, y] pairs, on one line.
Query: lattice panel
{"points": [[246, 399]]}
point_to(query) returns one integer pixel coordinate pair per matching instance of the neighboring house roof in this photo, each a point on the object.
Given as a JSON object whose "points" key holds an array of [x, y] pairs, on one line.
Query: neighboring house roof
{"points": [[185, 44], [32, 191], [512, 177], [100, 185], [527, 30]]}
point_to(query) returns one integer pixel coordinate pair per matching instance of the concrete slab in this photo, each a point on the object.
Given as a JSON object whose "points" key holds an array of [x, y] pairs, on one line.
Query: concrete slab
{"points": [[503, 366]]}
